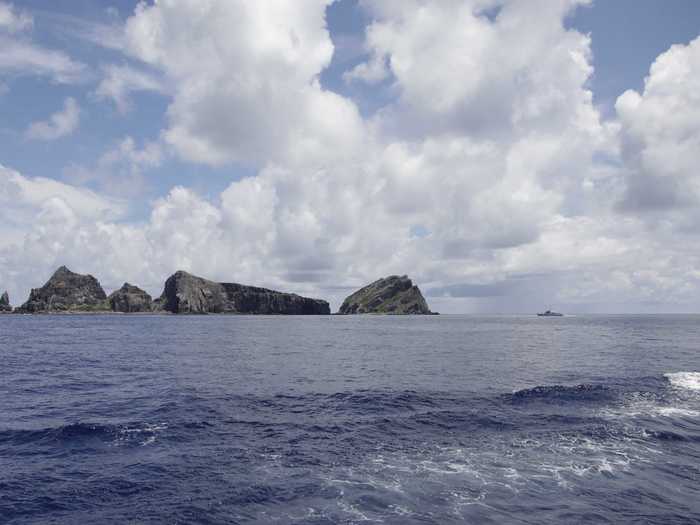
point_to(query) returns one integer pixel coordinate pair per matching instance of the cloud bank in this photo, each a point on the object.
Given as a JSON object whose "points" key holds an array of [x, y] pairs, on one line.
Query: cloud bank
{"points": [[490, 176]]}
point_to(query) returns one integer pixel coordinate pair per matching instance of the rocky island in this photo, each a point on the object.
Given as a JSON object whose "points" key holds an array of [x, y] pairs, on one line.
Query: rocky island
{"points": [[390, 295], [186, 293], [67, 291], [5, 306], [130, 299], [183, 293]]}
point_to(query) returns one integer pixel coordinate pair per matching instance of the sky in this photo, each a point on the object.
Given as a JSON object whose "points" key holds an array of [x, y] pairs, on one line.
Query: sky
{"points": [[508, 156]]}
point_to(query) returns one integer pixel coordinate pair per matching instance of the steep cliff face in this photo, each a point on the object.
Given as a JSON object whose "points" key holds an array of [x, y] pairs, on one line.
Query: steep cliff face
{"points": [[188, 294], [391, 295], [129, 299], [5, 303], [67, 291]]}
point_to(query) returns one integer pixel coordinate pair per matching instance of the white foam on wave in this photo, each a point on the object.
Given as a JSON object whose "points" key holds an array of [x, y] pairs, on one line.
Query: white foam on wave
{"points": [[144, 434], [647, 404], [637, 409], [674, 411], [147, 428], [502, 468], [688, 380]]}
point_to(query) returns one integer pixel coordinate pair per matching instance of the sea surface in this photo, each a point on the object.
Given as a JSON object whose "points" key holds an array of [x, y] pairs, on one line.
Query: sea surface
{"points": [[361, 419]]}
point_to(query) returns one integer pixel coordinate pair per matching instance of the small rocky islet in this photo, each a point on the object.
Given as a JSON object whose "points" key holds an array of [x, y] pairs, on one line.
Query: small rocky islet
{"points": [[184, 293], [130, 299], [395, 295], [66, 291], [5, 303]]}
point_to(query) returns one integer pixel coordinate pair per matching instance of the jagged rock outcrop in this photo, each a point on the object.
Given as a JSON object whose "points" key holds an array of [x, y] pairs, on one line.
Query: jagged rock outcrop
{"points": [[188, 294], [391, 295], [67, 291], [129, 299], [5, 303]]}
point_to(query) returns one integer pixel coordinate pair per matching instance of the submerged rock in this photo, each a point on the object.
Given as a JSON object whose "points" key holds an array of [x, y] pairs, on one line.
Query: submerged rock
{"points": [[5, 303], [130, 299], [391, 295], [188, 294], [67, 291]]}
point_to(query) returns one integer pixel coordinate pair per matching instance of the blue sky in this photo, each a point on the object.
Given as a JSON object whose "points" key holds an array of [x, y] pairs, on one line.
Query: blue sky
{"points": [[355, 113], [628, 35]]}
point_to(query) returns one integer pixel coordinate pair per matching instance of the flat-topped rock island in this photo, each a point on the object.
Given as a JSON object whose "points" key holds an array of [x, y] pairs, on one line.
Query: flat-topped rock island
{"points": [[189, 294]]}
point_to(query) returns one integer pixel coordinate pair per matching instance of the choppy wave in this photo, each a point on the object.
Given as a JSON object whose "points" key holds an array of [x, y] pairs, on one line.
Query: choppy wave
{"points": [[411, 457], [598, 436], [84, 435], [562, 394]]}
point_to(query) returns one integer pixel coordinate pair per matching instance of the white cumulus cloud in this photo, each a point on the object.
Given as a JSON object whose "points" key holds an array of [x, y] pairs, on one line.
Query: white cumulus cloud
{"points": [[244, 78], [660, 131]]}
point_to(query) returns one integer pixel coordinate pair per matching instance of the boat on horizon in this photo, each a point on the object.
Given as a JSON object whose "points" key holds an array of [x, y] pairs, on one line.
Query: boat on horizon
{"points": [[549, 313]]}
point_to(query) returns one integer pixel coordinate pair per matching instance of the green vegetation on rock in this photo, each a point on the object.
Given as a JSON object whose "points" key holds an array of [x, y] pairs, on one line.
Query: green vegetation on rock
{"points": [[391, 295]]}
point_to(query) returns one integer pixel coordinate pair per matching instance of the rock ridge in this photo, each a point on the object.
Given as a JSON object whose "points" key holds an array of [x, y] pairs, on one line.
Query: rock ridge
{"points": [[185, 293]]}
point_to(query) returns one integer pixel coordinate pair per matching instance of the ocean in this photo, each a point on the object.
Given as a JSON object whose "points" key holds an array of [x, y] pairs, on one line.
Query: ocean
{"points": [[359, 419]]}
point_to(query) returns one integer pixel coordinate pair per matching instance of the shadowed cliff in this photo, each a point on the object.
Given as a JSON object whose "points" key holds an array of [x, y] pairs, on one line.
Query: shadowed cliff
{"points": [[186, 293]]}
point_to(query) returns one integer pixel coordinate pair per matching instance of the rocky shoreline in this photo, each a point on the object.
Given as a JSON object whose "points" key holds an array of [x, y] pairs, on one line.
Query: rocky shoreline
{"points": [[70, 293]]}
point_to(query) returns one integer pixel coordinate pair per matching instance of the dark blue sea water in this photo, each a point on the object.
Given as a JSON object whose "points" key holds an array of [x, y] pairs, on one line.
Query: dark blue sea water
{"points": [[439, 419]]}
